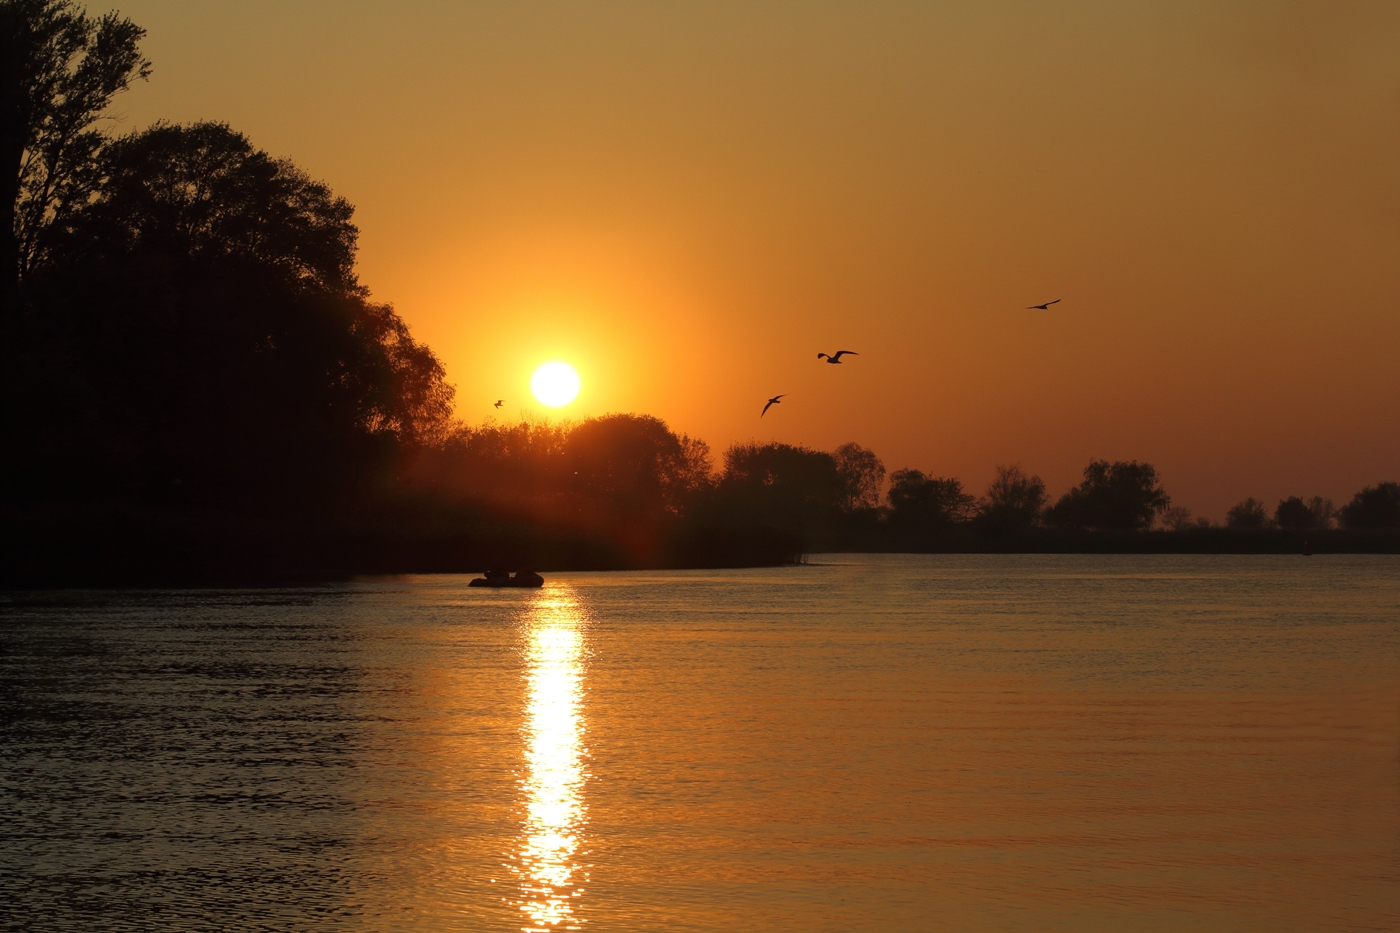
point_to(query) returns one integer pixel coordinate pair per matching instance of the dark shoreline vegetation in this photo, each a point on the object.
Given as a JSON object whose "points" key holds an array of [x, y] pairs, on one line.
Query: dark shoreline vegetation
{"points": [[198, 390]]}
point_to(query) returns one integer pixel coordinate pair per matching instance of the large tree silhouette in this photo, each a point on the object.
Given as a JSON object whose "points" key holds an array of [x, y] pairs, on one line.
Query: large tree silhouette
{"points": [[1124, 495], [926, 505], [1014, 500], [1374, 507], [200, 336], [784, 488], [862, 473]]}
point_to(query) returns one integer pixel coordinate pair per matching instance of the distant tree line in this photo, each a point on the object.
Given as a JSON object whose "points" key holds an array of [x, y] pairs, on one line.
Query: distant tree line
{"points": [[651, 491], [1373, 508], [196, 385]]}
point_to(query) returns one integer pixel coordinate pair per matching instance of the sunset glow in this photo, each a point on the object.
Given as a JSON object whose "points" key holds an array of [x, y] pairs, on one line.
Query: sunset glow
{"points": [[1210, 192]]}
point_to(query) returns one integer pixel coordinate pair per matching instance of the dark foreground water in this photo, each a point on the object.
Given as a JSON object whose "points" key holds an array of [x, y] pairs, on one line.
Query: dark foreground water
{"points": [[876, 743]]}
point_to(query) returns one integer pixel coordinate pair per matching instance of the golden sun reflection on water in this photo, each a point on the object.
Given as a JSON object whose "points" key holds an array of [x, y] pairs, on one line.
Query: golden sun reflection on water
{"points": [[547, 858]]}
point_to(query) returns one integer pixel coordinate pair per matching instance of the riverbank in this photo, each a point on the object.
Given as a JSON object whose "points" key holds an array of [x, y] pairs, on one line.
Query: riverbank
{"points": [[113, 545]]}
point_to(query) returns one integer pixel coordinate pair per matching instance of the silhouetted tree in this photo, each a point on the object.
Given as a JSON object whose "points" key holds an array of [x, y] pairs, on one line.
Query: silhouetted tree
{"points": [[635, 466], [1248, 513], [1014, 500], [629, 479], [1178, 518], [1123, 495], [1372, 508], [1324, 512], [203, 338], [59, 70], [921, 505], [695, 471], [793, 490], [1293, 513], [862, 473]]}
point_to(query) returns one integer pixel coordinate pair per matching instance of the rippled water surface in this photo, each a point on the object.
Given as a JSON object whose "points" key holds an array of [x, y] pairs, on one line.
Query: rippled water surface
{"points": [[1070, 743]]}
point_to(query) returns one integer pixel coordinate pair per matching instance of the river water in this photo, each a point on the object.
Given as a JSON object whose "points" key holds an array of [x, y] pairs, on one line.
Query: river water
{"points": [[1074, 743]]}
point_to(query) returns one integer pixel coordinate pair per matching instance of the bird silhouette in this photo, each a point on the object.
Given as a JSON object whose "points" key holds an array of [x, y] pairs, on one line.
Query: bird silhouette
{"points": [[500, 402], [1044, 307], [771, 402], [836, 357]]}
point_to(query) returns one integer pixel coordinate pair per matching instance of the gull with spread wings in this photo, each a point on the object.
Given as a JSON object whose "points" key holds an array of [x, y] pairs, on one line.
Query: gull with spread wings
{"points": [[771, 402], [836, 357], [1044, 307]]}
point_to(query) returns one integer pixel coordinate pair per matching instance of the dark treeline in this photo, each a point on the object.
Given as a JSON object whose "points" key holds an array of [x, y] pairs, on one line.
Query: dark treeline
{"points": [[197, 388], [650, 492]]}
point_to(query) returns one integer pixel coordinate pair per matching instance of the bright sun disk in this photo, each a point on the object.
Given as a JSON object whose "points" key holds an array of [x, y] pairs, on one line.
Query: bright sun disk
{"points": [[555, 384]]}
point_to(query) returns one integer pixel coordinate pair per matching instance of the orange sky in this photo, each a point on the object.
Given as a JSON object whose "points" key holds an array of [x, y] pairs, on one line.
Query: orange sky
{"points": [[687, 203]]}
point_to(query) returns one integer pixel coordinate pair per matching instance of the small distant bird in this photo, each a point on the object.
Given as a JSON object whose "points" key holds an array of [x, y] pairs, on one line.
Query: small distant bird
{"points": [[771, 402], [836, 357], [1044, 307], [500, 402]]}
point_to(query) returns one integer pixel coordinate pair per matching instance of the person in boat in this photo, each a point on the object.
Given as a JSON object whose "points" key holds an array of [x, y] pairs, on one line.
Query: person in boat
{"points": [[499, 578]]}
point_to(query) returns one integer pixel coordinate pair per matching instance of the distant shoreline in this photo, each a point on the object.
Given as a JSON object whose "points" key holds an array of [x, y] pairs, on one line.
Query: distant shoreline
{"points": [[1213, 540], [118, 547]]}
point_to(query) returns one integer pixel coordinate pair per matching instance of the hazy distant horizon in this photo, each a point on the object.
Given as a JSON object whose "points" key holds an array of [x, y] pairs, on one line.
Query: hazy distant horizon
{"points": [[688, 203]]}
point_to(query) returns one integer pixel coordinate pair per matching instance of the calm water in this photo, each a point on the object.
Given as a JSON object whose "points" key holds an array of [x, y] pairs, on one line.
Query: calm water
{"points": [[875, 743]]}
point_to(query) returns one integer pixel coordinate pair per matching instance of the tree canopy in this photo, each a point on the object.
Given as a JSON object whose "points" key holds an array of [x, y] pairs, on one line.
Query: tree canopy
{"points": [[1374, 507], [1247, 513], [922, 504], [1293, 513], [61, 69], [1014, 500], [789, 488], [1123, 495], [862, 476], [195, 332]]}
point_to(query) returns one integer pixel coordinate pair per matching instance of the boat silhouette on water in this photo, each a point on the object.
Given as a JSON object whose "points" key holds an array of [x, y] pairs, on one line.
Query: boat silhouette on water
{"points": [[523, 579]]}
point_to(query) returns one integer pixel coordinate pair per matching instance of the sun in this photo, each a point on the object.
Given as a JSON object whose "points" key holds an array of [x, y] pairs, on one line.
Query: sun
{"points": [[555, 384]]}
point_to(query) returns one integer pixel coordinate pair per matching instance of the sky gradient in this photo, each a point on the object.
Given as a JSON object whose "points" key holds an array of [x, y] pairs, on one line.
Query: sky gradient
{"points": [[688, 203]]}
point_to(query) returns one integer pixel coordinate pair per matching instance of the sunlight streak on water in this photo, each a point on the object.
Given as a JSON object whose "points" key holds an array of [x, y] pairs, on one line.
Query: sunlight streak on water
{"points": [[546, 862]]}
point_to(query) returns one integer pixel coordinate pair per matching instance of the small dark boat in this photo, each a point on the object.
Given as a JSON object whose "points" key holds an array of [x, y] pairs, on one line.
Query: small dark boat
{"points": [[503, 578]]}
